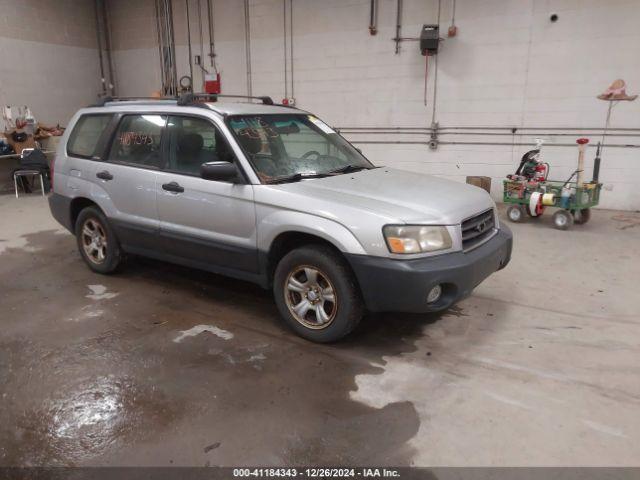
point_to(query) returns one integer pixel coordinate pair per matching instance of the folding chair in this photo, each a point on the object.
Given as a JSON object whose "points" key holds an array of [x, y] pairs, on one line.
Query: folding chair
{"points": [[32, 164]]}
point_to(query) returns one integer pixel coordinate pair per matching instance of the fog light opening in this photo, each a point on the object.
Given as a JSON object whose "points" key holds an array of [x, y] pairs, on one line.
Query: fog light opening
{"points": [[434, 294]]}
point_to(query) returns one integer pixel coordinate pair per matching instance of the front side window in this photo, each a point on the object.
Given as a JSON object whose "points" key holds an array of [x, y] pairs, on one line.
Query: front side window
{"points": [[192, 142], [137, 141], [86, 134], [282, 146]]}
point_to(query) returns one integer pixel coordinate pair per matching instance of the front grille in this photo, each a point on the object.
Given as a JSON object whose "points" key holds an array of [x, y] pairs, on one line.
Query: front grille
{"points": [[476, 230]]}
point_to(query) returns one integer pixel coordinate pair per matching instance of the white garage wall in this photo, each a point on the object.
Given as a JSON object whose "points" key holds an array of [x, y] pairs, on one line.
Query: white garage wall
{"points": [[134, 41], [509, 66], [48, 57]]}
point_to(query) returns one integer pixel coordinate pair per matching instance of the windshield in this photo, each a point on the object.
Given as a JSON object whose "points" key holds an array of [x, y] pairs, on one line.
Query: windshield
{"points": [[294, 145]]}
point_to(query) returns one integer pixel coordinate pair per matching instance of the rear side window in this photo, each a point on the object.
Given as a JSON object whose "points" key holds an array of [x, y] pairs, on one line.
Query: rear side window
{"points": [[86, 134], [137, 141]]}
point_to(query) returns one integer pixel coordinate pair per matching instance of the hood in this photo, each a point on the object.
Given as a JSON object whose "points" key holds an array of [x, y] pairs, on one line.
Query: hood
{"points": [[398, 194]]}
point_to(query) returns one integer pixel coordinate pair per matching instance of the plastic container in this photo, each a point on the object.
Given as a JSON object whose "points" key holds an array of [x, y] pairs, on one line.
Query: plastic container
{"points": [[565, 198]]}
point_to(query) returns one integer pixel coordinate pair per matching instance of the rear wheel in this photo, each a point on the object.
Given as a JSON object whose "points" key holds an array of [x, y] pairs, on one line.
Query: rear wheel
{"points": [[562, 220], [97, 241], [516, 213], [317, 294]]}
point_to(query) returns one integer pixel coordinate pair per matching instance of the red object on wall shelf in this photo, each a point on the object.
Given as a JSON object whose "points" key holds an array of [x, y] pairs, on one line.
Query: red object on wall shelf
{"points": [[212, 83]]}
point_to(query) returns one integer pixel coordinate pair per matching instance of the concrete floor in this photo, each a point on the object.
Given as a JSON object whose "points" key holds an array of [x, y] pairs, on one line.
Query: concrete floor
{"points": [[541, 366]]}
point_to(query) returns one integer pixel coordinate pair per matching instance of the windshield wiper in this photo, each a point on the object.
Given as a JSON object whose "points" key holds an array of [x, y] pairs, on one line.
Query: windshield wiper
{"points": [[349, 169], [296, 177]]}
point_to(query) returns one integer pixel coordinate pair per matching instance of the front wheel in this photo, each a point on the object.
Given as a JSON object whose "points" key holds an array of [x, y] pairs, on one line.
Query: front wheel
{"points": [[316, 294], [562, 220], [582, 216]]}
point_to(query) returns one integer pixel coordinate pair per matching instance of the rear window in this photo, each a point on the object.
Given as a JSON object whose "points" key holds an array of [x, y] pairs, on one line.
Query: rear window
{"points": [[137, 141], [86, 134]]}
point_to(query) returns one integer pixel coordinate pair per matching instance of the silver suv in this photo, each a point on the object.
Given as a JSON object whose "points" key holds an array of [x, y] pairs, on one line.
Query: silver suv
{"points": [[272, 195]]}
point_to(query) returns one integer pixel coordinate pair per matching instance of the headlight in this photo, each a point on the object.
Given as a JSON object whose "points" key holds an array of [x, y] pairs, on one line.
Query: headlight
{"points": [[416, 238]]}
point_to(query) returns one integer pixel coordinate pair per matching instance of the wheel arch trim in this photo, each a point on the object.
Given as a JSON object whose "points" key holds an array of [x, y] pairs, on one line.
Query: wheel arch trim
{"points": [[278, 223]]}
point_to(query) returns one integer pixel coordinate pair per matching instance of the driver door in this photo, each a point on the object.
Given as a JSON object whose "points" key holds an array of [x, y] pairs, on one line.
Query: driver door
{"points": [[212, 223]]}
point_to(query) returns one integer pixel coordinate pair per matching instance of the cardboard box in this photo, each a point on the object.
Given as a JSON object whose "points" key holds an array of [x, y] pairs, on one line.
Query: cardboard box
{"points": [[482, 182]]}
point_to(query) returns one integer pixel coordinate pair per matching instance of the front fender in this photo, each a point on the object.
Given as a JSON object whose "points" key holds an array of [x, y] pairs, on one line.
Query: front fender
{"points": [[277, 222]]}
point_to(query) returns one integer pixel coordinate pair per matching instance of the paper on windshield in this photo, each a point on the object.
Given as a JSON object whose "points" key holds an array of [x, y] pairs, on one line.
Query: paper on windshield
{"points": [[320, 124]]}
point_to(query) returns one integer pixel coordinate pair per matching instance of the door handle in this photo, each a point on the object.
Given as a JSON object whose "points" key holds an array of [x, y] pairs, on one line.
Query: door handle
{"points": [[104, 175], [172, 187]]}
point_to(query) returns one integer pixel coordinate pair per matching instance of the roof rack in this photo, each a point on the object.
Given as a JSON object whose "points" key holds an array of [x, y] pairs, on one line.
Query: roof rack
{"points": [[191, 98], [183, 100], [104, 100]]}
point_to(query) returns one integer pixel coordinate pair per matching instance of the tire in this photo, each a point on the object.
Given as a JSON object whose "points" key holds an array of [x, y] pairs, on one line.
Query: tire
{"points": [[562, 219], [103, 254], [582, 216], [516, 213], [333, 305]]}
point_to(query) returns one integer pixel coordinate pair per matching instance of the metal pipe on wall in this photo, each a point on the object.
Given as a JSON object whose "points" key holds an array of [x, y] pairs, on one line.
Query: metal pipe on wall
{"points": [[172, 46], [107, 46], [398, 25], [525, 144], [284, 47], [287, 49], [99, 40], [247, 42], [435, 77], [160, 41], [373, 18], [476, 131], [475, 134], [166, 47], [212, 48], [551, 129], [202, 70], [291, 45], [453, 13], [510, 129], [189, 42], [103, 38], [506, 144]]}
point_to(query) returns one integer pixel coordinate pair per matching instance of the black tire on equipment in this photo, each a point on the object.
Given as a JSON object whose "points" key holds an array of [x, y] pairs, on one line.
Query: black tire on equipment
{"points": [[349, 302], [563, 220], [114, 256], [582, 216], [516, 213]]}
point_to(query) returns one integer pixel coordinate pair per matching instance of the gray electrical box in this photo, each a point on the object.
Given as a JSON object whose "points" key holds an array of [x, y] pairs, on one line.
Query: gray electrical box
{"points": [[429, 39]]}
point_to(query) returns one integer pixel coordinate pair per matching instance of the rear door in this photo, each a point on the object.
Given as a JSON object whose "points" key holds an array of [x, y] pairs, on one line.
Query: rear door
{"points": [[128, 180], [206, 221]]}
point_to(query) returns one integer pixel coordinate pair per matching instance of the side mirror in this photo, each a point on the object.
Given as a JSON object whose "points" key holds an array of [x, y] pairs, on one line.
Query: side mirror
{"points": [[221, 171]]}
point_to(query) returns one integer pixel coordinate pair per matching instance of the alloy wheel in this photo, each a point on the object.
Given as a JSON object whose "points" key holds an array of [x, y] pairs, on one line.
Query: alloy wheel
{"points": [[94, 241], [311, 297]]}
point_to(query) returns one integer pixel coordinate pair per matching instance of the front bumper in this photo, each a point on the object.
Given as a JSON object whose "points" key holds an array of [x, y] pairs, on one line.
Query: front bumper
{"points": [[391, 285]]}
